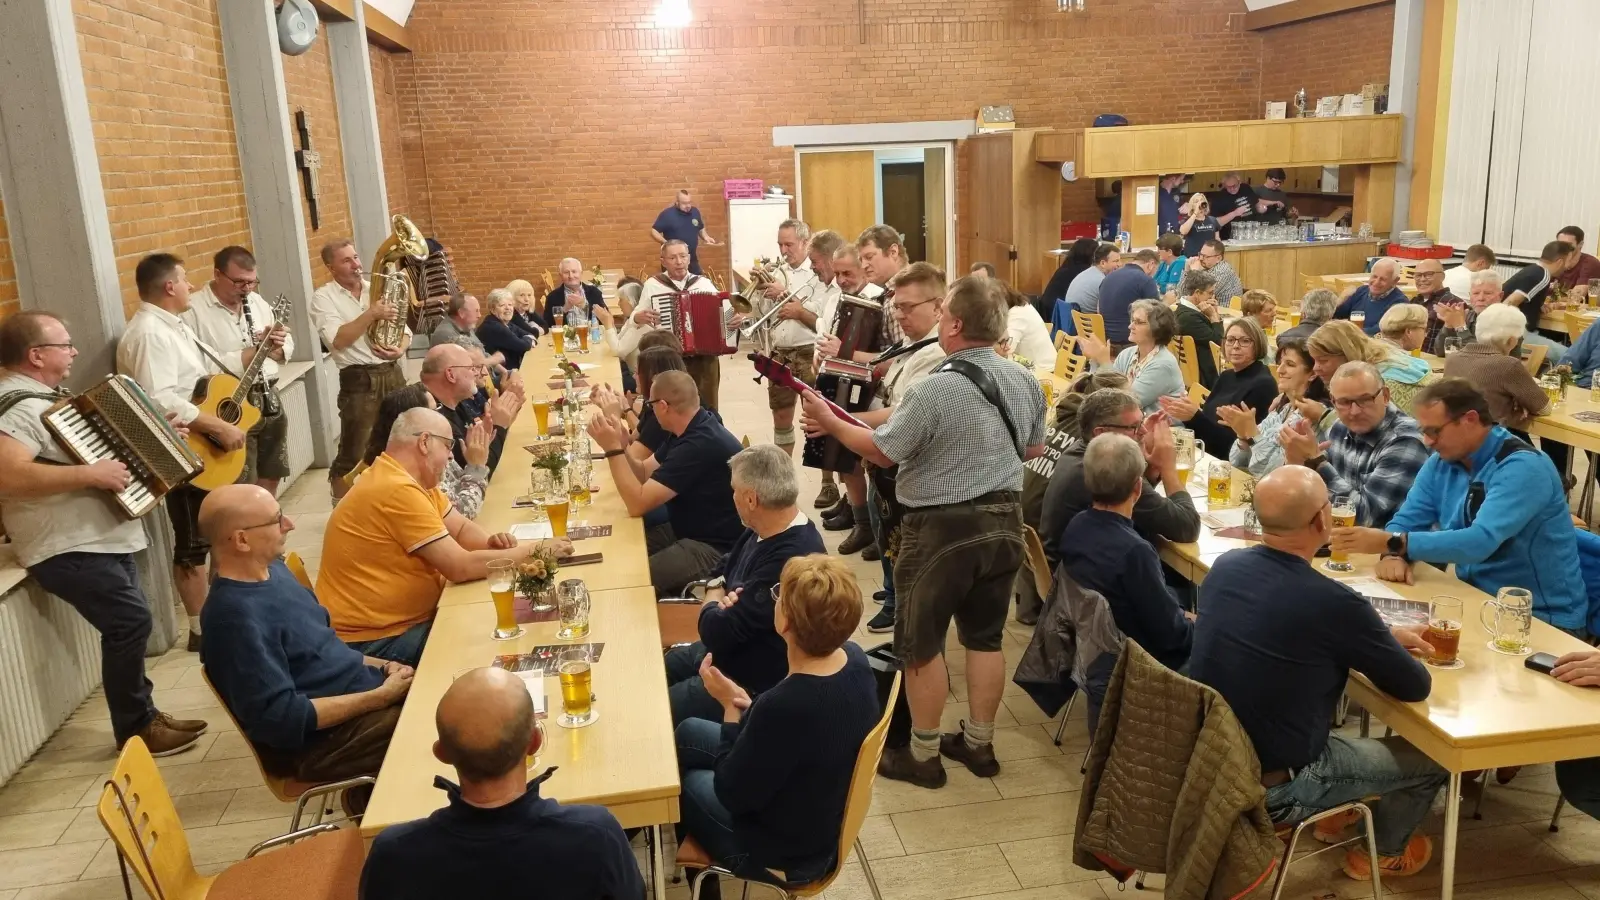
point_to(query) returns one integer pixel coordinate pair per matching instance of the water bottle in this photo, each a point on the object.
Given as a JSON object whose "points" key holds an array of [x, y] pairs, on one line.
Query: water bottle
{"points": [[596, 332]]}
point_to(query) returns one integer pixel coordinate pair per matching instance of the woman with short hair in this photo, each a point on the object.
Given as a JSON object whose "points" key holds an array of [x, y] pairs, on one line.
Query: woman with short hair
{"points": [[497, 332], [1245, 388], [1151, 368], [525, 308], [1301, 396], [1405, 325]]}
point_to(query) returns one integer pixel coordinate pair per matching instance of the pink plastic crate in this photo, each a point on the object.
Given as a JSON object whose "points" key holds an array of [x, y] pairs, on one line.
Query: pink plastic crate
{"points": [[742, 188]]}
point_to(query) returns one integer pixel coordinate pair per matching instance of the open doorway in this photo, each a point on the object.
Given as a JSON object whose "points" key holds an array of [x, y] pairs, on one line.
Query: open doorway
{"points": [[909, 187], [903, 205]]}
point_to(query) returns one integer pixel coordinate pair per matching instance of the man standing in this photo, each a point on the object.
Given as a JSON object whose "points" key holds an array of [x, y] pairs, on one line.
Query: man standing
{"points": [[675, 277], [1121, 288], [572, 291], [1084, 292], [68, 532], [1431, 295], [794, 335], [1585, 268], [1167, 202], [1528, 288], [160, 352], [1272, 204], [1235, 201], [683, 222], [231, 318], [959, 544], [341, 312], [1374, 298], [1459, 279]]}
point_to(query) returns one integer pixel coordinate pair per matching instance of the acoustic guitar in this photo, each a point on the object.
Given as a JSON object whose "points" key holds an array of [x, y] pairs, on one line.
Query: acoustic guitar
{"points": [[227, 398]]}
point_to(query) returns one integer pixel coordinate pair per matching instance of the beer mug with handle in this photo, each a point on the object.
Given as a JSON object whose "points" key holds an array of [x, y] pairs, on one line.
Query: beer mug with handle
{"points": [[1508, 618], [1189, 449]]}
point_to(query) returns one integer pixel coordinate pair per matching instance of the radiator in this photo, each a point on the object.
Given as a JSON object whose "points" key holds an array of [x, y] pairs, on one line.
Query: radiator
{"points": [[301, 450], [49, 662]]}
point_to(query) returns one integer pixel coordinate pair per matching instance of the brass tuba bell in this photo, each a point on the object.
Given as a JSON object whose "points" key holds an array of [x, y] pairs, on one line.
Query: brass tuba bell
{"points": [[392, 284]]}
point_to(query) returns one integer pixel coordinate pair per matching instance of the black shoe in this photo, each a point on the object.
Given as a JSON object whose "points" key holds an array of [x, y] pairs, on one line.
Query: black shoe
{"points": [[879, 596], [871, 553], [882, 623], [829, 496], [843, 522], [837, 509], [980, 761], [194, 642], [898, 763], [859, 538]]}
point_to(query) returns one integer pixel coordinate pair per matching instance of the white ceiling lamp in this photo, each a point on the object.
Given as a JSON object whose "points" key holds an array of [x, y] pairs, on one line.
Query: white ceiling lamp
{"points": [[1069, 5], [673, 14]]}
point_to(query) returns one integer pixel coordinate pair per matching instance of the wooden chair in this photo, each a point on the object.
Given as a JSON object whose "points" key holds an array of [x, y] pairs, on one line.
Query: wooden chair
{"points": [[1182, 347], [1216, 356], [1577, 324], [297, 567], [1062, 340], [692, 855], [290, 790], [322, 862], [350, 477], [1069, 365], [1092, 324], [1533, 357], [1198, 393]]}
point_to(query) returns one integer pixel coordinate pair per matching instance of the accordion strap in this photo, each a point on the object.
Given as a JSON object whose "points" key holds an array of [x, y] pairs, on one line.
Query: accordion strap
{"points": [[10, 399]]}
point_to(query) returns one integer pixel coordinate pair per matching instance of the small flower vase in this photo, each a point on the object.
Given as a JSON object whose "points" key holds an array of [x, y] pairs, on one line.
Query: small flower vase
{"points": [[541, 600]]}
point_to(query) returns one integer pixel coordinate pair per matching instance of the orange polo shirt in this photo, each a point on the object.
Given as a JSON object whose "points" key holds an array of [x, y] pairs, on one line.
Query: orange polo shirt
{"points": [[372, 582]]}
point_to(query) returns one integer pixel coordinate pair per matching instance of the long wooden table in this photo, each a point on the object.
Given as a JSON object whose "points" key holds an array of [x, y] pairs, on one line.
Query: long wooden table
{"points": [[1491, 712], [625, 761]]}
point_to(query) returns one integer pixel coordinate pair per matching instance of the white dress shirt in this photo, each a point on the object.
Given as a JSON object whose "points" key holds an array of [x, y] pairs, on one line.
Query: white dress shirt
{"points": [[160, 352], [333, 307], [230, 333], [792, 334], [631, 332]]}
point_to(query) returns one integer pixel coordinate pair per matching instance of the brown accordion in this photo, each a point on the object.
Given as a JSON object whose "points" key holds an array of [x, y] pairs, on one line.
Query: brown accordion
{"points": [[700, 322], [859, 324], [435, 281], [115, 419], [849, 384]]}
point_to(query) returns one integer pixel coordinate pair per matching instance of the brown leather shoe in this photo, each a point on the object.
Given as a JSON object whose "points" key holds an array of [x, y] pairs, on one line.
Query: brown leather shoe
{"points": [[980, 761], [898, 763], [165, 741], [193, 726], [829, 495], [859, 538]]}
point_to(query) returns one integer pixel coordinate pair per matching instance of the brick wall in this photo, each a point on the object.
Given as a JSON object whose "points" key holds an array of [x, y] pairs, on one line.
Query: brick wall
{"points": [[8, 271], [308, 80], [387, 96], [531, 131], [1330, 55]]}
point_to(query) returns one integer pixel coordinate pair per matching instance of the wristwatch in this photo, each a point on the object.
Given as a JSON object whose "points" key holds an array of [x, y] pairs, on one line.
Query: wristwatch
{"points": [[618, 452], [1396, 545]]}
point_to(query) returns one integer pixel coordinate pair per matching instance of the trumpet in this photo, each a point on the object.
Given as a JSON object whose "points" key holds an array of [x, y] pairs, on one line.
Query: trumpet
{"points": [[762, 273], [765, 321]]}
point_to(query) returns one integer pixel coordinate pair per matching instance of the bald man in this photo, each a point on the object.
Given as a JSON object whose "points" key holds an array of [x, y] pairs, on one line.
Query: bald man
{"points": [[1374, 298], [1278, 639], [498, 837], [314, 709], [571, 292], [452, 374]]}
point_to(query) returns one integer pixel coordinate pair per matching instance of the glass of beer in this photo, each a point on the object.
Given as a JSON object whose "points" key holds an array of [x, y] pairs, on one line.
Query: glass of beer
{"points": [[556, 507], [583, 339], [1444, 632], [541, 416], [500, 590], [1188, 449], [1509, 620], [1219, 484], [1592, 299], [558, 339], [572, 598], [1047, 383], [580, 470], [577, 688], [1357, 318], [1294, 318], [1344, 516]]}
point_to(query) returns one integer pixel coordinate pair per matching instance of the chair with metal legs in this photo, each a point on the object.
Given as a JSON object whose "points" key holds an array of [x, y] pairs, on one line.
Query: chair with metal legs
{"points": [[1367, 836]]}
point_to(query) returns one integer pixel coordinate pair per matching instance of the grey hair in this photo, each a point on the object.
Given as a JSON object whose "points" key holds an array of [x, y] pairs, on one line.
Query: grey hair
{"points": [[1500, 325], [769, 472], [665, 245], [1102, 408], [570, 259], [1358, 368], [414, 421], [1196, 280], [1487, 276], [801, 230], [495, 296], [1317, 306], [1388, 261], [1113, 466]]}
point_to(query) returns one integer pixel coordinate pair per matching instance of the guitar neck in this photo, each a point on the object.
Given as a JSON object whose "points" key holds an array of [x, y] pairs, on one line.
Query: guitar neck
{"points": [[252, 371], [780, 374]]}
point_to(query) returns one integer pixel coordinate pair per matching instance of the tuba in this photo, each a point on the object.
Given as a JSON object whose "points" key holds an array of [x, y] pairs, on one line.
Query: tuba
{"points": [[392, 284]]}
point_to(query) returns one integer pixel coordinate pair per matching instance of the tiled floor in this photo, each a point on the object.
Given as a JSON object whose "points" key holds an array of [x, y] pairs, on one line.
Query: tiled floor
{"points": [[1009, 836]]}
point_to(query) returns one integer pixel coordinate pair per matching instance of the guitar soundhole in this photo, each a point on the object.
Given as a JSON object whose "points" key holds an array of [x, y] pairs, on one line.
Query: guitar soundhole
{"points": [[228, 411]]}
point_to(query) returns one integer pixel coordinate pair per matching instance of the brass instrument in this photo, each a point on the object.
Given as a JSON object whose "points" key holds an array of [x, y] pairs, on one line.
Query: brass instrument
{"points": [[392, 284], [752, 301]]}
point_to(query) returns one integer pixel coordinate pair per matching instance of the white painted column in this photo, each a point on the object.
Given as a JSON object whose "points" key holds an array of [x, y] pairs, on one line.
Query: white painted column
{"points": [[263, 130], [1405, 75], [358, 131]]}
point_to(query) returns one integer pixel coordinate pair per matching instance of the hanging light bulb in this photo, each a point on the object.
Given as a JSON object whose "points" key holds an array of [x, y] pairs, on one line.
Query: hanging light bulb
{"points": [[673, 14]]}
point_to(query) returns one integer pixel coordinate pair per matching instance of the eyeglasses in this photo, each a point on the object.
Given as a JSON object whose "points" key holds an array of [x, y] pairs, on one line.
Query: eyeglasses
{"points": [[278, 521], [245, 284], [1363, 400], [1422, 275], [1233, 341], [1431, 432], [475, 368], [1209, 256], [67, 346], [1126, 429], [907, 307], [653, 402]]}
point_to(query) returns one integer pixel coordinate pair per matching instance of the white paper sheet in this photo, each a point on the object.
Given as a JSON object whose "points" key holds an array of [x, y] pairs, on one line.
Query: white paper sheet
{"points": [[535, 684], [1144, 202], [532, 531]]}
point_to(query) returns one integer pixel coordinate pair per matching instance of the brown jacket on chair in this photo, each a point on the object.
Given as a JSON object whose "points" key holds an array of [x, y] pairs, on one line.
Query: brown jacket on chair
{"points": [[1174, 786]]}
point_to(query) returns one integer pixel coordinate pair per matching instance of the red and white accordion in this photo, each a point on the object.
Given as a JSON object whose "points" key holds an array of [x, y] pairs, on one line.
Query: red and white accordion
{"points": [[700, 322]]}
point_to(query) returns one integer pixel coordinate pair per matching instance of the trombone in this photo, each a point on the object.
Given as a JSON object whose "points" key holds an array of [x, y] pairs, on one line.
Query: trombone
{"points": [[765, 322]]}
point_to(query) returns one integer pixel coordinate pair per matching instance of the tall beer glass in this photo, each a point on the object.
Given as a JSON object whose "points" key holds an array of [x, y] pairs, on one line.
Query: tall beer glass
{"points": [[1344, 516], [501, 592]]}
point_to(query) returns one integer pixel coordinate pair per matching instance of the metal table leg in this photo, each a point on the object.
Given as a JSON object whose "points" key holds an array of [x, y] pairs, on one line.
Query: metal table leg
{"points": [[658, 871], [1586, 496], [1452, 824]]}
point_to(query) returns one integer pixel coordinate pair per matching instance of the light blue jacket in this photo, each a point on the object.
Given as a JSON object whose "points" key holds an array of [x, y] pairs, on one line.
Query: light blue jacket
{"points": [[1404, 368], [1518, 532], [1584, 356]]}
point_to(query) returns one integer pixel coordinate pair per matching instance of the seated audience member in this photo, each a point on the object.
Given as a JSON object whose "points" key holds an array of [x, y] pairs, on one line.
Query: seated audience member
{"points": [[1209, 260], [1151, 368], [1301, 396], [1404, 327], [1431, 295], [1084, 293], [313, 707], [1078, 257], [461, 320], [1579, 779], [1261, 306], [1170, 260], [498, 335], [1316, 308], [1374, 298], [1490, 365], [394, 541], [1583, 358], [982, 268], [1487, 502], [1246, 387], [1103, 552], [1458, 321], [1371, 454], [765, 788], [571, 293], [736, 620], [450, 373], [1028, 334], [1478, 258], [1278, 639], [691, 480], [1337, 343], [525, 302], [1124, 287], [463, 486], [1529, 287], [1200, 319], [646, 435], [1113, 411], [497, 836], [1199, 226], [1583, 267]]}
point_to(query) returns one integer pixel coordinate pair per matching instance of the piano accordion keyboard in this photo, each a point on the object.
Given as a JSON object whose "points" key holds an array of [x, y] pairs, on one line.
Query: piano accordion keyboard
{"points": [[91, 445]]}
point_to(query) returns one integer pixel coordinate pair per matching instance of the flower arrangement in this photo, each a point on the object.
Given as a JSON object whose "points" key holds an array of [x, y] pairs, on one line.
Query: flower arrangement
{"points": [[1022, 361], [569, 370], [596, 276], [536, 574], [553, 461]]}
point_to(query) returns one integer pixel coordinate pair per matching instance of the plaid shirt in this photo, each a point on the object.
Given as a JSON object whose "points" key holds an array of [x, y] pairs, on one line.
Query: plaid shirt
{"points": [[1434, 322], [1375, 468]]}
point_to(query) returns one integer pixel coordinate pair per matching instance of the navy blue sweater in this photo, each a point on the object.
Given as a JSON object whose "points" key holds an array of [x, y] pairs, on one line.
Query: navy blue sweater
{"points": [[531, 847], [741, 638], [1277, 639], [1103, 553], [784, 771], [269, 651], [499, 337]]}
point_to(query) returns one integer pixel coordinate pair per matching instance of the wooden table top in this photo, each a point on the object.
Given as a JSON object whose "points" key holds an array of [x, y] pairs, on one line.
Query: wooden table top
{"points": [[1491, 712], [1562, 425]]}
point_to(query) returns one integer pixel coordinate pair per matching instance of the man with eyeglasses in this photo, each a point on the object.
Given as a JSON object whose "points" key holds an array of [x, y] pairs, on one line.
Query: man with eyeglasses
{"points": [[1272, 204], [452, 374], [1489, 503], [314, 708], [69, 534], [1210, 261], [231, 318], [1372, 453], [1432, 295]]}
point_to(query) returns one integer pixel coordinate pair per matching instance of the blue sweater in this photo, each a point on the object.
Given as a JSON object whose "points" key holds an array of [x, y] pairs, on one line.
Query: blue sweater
{"points": [[1584, 357], [741, 638], [1120, 290], [1103, 552], [1520, 534], [1363, 301], [531, 847], [269, 650]]}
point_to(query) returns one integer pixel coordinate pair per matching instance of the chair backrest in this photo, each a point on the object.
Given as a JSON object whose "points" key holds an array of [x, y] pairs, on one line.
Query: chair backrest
{"points": [[859, 800], [1198, 393], [1089, 323], [1069, 365], [1036, 561], [297, 567], [1577, 323], [1182, 347], [1216, 356], [1062, 339], [351, 476], [137, 812], [278, 786], [1533, 357]]}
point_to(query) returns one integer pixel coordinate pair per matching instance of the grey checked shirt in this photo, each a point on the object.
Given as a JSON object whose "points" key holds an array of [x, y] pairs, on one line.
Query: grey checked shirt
{"points": [[950, 442]]}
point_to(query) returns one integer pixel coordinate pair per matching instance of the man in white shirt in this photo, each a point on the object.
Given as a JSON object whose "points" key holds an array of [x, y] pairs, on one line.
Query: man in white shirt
{"points": [[675, 277], [793, 334], [1458, 280], [231, 318], [341, 312], [69, 533], [160, 352]]}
